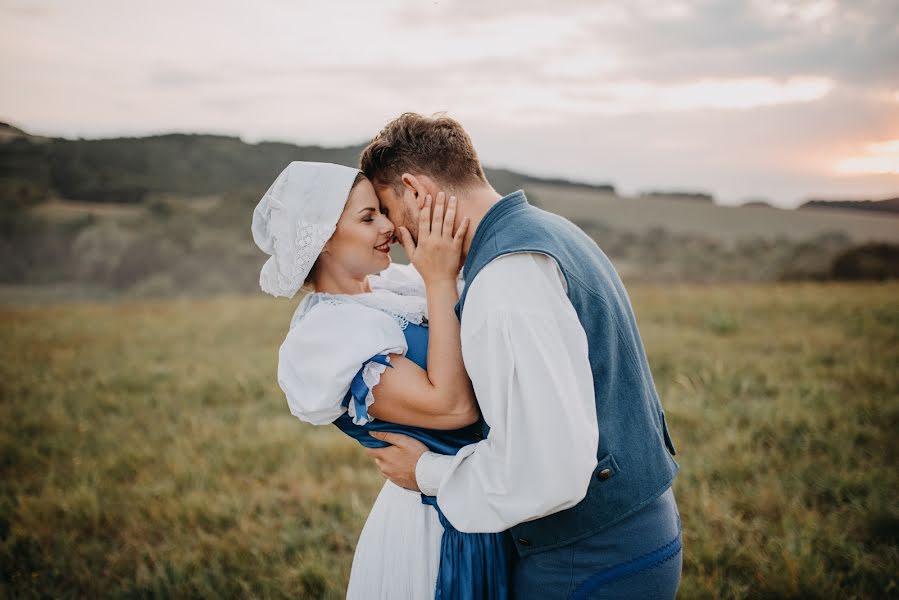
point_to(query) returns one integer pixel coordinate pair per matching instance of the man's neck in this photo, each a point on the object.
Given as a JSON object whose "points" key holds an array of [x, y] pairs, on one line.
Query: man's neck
{"points": [[474, 204]]}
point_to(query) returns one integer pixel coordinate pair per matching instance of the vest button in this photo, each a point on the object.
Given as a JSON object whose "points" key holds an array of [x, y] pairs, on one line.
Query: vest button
{"points": [[604, 474], [523, 541]]}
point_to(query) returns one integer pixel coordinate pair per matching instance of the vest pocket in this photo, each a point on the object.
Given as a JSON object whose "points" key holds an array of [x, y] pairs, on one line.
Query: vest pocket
{"points": [[668, 441]]}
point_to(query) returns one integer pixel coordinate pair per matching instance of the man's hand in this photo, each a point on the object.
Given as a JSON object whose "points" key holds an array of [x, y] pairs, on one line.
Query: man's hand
{"points": [[397, 462]]}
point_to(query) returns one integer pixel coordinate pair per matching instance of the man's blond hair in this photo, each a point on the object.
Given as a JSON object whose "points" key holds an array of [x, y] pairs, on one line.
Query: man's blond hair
{"points": [[435, 146]]}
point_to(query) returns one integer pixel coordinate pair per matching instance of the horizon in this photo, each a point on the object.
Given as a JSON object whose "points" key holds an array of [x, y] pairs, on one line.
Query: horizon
{"points": [[548, 176], [772, 100]]}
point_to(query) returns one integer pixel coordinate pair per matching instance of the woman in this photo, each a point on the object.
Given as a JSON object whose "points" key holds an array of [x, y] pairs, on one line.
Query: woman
{"points": [[371, 352]]}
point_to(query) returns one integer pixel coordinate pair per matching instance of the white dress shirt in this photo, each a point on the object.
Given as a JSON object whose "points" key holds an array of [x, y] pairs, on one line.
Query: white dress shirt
{"points": [[526, 354]]}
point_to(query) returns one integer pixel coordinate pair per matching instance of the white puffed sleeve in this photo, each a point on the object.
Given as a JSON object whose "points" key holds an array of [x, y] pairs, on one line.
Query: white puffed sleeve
{"points": [[331, 349]]}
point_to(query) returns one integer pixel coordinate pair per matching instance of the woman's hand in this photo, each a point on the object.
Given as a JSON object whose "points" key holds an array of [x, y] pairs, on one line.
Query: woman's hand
{"points": [[441, 395], [438, 255]]}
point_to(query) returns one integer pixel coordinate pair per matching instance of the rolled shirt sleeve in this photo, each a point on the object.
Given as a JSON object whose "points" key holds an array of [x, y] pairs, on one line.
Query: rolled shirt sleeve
{"points": [[526, 353]]}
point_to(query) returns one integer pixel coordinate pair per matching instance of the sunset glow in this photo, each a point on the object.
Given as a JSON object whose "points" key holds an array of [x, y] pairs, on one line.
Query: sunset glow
{"points": [[881, 158]]}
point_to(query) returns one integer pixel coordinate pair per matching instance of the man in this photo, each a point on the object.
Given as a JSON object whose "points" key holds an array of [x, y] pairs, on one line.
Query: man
{"points": [[577, 462]]}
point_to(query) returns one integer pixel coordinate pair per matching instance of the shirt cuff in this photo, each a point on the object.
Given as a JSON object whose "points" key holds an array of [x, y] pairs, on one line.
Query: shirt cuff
{"points": [[429, 471]]}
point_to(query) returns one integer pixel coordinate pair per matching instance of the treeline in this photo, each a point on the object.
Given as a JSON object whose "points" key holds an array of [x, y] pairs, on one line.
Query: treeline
{"points": [[889, 205], [129, 170], [132, 170]]}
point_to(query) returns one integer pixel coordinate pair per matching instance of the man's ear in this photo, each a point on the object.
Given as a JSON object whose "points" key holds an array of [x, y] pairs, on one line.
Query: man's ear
{"points": [[413, 184]]}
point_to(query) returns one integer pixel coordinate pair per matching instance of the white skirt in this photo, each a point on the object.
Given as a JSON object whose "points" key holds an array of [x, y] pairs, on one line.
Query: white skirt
{"points": [[398, 554]]}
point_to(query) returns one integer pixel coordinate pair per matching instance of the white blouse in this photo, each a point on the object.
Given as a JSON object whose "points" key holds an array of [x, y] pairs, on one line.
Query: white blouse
{"points": [[332, 335]]}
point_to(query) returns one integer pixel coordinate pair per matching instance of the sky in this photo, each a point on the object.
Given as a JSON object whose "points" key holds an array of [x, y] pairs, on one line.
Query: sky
{"points": [[760, 99]]}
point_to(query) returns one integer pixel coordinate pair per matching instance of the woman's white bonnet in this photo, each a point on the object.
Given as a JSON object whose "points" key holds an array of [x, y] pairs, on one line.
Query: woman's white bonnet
{"points": [[295, 218]]}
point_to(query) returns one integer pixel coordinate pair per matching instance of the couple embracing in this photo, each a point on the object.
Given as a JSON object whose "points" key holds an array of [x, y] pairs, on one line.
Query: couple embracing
{"points": [[499, 381]]}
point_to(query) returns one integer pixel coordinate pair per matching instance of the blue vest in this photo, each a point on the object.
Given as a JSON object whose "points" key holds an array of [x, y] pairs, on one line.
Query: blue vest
{"points": [[635, 464]]}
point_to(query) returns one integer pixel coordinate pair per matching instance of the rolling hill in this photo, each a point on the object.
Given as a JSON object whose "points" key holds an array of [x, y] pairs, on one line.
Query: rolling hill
{"points": [[169, 215]]}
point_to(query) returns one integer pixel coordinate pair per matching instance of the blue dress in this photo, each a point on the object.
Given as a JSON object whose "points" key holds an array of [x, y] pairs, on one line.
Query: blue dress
{"points": [[473, 566]]}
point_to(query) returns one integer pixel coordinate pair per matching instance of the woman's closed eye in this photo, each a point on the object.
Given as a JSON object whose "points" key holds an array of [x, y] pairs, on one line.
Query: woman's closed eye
{"points": [[368, 214]]}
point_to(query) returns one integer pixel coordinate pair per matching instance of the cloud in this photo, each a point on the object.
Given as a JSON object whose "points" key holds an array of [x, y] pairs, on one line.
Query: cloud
{"points": [[854, 43], [852, 40], [25, 9]]}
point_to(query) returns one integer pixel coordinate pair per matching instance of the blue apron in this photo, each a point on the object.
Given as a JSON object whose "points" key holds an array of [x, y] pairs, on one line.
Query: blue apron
{"points": [[473, 566]]}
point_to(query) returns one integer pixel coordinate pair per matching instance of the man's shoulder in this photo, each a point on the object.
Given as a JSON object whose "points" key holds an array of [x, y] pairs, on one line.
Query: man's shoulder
{"points": [[520, 280], [515, 267]]}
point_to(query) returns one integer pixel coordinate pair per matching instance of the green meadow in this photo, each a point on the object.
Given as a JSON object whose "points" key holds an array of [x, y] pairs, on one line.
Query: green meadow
{"points": [[147, 451]]}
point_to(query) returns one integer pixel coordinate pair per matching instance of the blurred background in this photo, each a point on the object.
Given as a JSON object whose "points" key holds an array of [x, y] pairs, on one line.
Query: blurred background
{"points": [[739, 162]]}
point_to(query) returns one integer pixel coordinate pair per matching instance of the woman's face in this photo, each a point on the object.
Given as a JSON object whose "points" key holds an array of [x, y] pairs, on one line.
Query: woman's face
{"points": [[360, 245]]}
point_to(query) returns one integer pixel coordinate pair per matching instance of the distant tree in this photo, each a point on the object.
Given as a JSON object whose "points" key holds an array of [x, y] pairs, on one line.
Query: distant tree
{"points": [[877, 262], [757, 202]]}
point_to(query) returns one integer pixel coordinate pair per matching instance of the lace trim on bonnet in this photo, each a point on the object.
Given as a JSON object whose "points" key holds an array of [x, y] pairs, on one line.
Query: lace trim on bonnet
{"points": [[309, 240]]}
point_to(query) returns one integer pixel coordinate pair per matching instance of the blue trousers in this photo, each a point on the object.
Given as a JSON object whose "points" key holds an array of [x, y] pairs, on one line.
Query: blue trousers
{"points": [[637, 558]]}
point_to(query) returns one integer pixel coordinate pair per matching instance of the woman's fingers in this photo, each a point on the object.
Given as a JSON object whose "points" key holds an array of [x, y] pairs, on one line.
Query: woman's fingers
{"points": [[450, 218], [408, 243], [424, 219], [437, 219]]}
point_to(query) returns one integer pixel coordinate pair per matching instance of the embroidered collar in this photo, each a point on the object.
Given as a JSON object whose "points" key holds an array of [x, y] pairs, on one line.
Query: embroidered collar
{"points": [[404, 309]]}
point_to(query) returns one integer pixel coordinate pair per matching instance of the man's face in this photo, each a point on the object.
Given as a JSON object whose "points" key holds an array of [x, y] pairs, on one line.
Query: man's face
{"points": [[401, 210]]}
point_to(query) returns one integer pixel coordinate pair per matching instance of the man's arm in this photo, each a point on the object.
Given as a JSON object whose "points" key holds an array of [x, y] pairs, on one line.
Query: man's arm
{"points": [[526, 354]]}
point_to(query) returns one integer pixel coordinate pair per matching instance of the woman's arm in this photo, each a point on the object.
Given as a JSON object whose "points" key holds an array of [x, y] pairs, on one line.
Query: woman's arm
{"points": [[442, 396]]}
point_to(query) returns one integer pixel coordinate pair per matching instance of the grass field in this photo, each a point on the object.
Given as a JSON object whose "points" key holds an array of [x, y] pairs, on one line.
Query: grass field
{"points": [[148, 452]]}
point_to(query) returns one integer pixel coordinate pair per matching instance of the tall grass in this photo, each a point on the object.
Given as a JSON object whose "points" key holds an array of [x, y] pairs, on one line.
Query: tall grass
{"points": [[146, 450]]}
